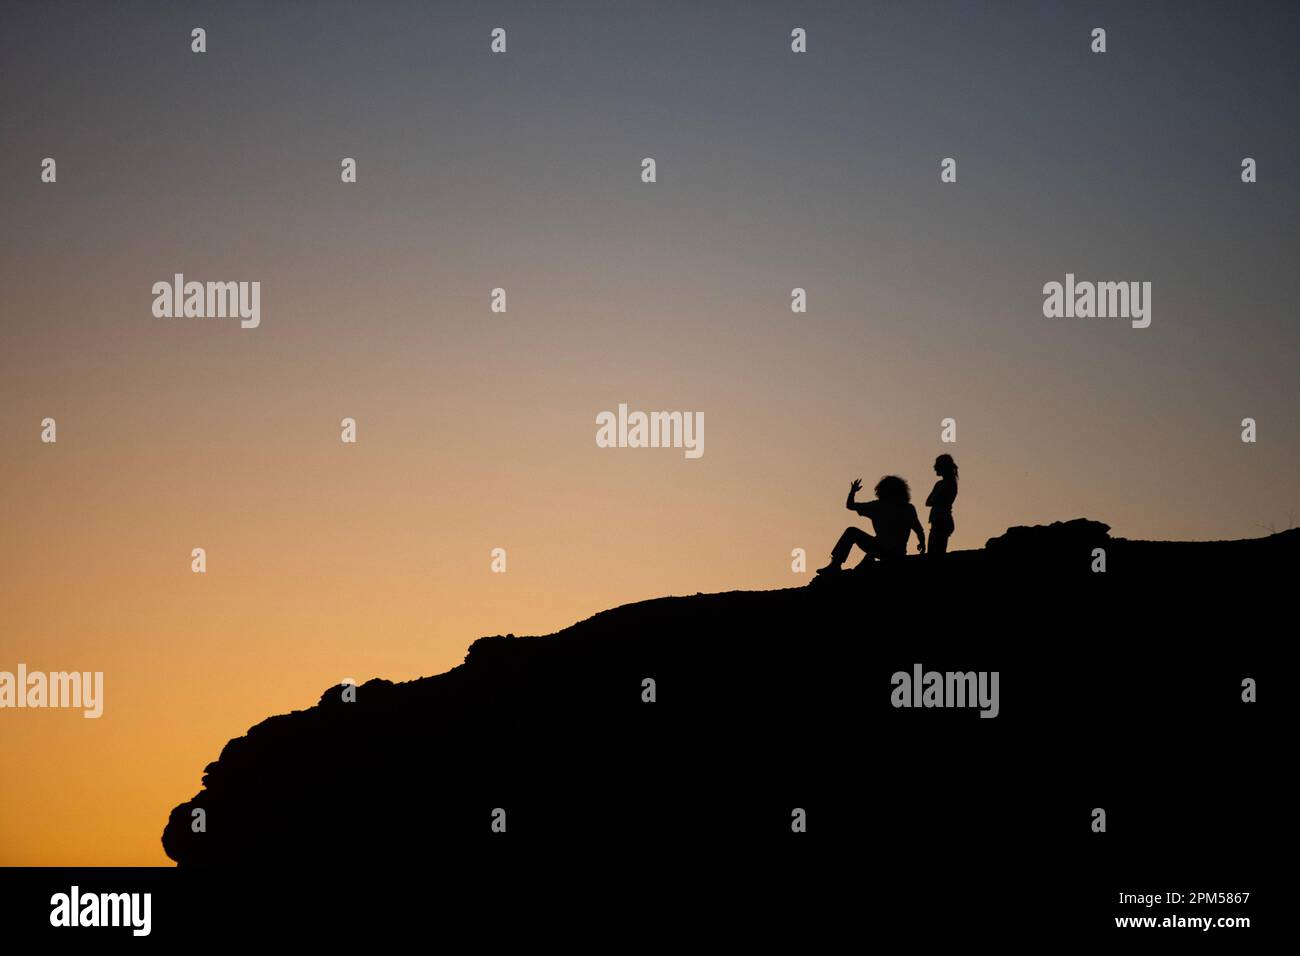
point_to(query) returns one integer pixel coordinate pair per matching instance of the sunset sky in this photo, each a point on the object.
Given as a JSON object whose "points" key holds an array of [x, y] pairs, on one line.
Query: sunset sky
{"points": [[477, 430]]}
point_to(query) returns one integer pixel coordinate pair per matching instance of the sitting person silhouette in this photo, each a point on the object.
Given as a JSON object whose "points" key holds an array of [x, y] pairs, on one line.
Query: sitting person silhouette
{"points": [[892, 515], [940, 502]]}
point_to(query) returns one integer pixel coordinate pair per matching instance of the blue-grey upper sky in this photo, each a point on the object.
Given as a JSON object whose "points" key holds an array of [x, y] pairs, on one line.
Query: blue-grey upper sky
{"points": [[476, 430]]}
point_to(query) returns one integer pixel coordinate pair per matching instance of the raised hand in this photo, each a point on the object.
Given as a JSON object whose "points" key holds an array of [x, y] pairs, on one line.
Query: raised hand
{"points": [[856, 486]]}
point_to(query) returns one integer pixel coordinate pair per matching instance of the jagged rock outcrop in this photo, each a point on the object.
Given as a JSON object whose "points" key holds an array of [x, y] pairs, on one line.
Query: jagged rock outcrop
{"points": [[766, 702]]}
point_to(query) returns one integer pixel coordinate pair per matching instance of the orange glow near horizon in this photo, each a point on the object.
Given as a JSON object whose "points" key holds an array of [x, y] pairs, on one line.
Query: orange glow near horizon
{"points": [[476, 430], [328, 561]]}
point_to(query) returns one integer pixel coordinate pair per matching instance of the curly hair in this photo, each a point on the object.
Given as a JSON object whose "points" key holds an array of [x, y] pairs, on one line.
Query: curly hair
{"points": [[892, 488]]}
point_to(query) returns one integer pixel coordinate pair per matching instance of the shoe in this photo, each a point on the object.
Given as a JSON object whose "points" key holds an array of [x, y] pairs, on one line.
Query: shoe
{"points": [[831, 568]]}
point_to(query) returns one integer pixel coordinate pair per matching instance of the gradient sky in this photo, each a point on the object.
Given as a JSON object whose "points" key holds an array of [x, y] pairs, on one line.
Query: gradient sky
{"points": [[477, 430]]}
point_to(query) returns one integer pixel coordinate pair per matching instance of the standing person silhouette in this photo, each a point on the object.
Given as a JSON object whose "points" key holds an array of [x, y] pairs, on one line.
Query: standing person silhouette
{"points": [[892, 515], [940, 502]]}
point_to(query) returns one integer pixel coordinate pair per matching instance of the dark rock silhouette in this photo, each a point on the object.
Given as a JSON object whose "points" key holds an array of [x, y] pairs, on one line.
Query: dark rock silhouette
{"points": [[1114, 687], [1059, 539]]}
